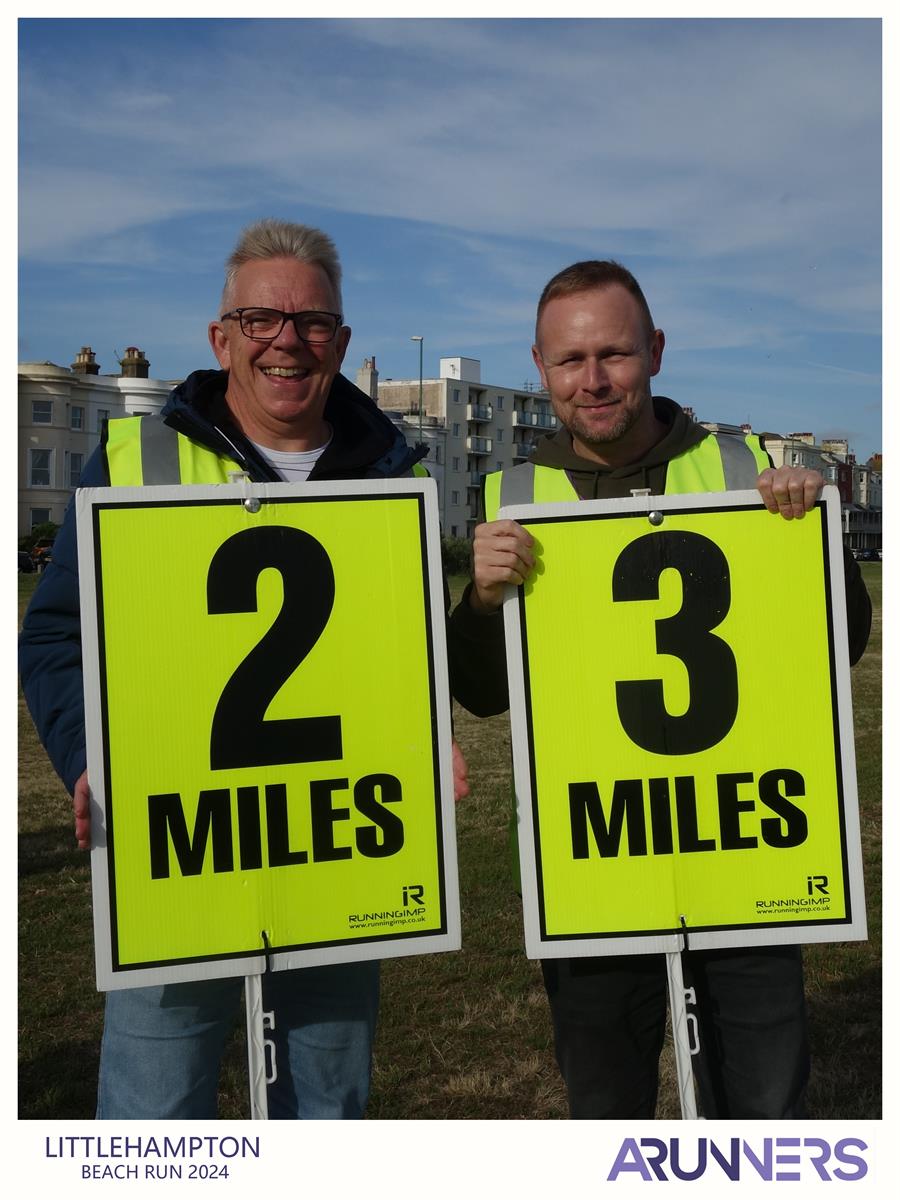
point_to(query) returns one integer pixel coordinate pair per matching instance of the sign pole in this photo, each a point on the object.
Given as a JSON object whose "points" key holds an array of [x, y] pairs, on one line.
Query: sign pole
{"points": [[256, 1048], [678, 1009]]}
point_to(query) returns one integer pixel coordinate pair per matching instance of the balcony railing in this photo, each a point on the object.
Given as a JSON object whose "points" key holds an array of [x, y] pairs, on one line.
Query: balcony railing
{"points": [[534, 420], [479, 445], [479, 412]]}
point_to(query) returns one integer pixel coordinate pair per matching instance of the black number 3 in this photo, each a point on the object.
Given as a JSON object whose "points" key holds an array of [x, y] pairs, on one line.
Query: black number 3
{"points": [[711, 668], [241, 736]]}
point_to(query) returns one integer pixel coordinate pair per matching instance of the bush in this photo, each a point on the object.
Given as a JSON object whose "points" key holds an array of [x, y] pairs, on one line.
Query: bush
{"points": [[456, 554], [47, 531]]}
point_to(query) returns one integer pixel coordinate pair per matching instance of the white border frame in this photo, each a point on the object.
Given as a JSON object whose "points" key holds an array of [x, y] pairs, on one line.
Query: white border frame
{"points": [[404, 944], [538, 947]]}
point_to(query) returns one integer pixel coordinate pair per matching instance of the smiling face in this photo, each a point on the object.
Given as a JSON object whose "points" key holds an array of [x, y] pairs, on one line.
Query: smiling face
{"points": [[277, 390], [596, 356]]}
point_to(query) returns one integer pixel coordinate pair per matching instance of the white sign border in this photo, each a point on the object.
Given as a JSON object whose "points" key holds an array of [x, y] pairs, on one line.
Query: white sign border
{"points": [[109, 979], [536, 946]]}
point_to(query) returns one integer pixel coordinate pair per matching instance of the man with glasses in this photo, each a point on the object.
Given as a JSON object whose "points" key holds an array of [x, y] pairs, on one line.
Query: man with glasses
{"points": [[277, 410]]}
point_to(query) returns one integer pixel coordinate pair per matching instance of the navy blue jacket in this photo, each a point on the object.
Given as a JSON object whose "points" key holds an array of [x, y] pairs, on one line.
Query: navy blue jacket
{"points": [[365, 445]]}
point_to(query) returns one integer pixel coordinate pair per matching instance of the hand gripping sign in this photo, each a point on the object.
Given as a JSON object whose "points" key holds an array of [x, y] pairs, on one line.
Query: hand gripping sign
{"points": [[682, 727], [268, 724]]}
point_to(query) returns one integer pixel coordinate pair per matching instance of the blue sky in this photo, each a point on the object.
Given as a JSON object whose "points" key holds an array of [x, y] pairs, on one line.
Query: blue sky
{"points": [[734, 166]]}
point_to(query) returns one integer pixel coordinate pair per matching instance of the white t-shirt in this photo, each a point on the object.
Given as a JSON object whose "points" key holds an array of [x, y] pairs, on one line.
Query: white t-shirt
{"points": [[293, 466]]}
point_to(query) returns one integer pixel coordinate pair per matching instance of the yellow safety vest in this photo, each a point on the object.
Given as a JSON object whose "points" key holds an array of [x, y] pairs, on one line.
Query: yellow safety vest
{"points": [[144, 450], [722, 462]]}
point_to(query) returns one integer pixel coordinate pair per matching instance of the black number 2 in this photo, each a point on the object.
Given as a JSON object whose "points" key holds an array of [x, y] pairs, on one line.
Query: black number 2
{"points": [[241, 736], [710, 663]]}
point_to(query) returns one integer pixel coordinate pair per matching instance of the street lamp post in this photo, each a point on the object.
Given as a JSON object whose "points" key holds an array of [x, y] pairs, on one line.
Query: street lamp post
{"points": [[420, 340]]}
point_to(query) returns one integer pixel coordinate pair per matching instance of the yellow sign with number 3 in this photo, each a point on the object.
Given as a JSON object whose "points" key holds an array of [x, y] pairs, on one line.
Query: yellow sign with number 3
{"points": [[680, 764]]}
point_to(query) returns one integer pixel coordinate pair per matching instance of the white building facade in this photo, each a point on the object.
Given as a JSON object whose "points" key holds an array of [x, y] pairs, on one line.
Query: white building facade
{"points": [[470, 428], [858, 483], [61, 412]]}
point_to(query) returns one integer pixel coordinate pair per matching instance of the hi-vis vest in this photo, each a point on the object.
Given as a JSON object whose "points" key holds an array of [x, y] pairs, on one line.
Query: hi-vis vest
{"points": [[144, 450], [722, 462]]}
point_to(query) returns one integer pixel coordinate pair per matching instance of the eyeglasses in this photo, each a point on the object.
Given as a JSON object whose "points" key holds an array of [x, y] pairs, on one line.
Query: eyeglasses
{"points": [[265, 324]]}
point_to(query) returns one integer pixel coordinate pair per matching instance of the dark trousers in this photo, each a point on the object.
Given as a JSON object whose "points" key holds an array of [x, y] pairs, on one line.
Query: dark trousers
{"points": [[609, 1022]]}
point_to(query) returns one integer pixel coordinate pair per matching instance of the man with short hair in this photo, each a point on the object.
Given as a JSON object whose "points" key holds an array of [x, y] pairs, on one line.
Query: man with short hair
{"points": [[279, 409], [596, 349]]}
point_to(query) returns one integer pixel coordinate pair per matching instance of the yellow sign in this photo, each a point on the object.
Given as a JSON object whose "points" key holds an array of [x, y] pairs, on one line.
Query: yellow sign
{"points": [[270, 722], [680, 710]]}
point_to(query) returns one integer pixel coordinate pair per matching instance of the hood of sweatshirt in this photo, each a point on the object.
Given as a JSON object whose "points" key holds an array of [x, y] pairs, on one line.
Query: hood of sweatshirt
{"points": [[593, 481], [365, 443]]}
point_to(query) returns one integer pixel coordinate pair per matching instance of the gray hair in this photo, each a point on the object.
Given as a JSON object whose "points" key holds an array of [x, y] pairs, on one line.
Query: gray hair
{"points": [[271, 238]]}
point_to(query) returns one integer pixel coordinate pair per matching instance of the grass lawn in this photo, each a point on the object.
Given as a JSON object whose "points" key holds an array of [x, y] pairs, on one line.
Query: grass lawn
{"points": [[463, 1035]]}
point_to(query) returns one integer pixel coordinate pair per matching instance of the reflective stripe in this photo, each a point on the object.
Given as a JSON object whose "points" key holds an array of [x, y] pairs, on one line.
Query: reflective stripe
{"points": [[526, 483], [738, 462], [517, 487], [721, 462], [159, 452], [144, 450]]}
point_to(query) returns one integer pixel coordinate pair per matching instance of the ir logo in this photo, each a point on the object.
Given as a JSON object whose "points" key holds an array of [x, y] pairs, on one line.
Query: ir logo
{"points": [[817, 883], [412, 894]]}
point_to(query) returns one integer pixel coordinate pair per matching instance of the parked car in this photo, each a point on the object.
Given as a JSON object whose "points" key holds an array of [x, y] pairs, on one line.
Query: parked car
{"points": [[42, 552], [867, 555], [25, 563]]}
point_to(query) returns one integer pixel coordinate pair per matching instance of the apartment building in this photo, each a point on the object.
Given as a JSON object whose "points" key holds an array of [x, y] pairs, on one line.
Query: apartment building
{"points": [[61, 411], [470, 428], [859, 484]]}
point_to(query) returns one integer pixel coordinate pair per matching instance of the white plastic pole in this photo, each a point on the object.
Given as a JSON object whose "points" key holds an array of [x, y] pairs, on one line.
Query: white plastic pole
{"points": [[680, 1037], [256, 1048]]}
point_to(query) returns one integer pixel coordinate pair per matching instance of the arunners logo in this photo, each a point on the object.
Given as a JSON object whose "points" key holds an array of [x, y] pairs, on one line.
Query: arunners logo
{"points": [[412, 912], [792, 904], [771, 1159]]}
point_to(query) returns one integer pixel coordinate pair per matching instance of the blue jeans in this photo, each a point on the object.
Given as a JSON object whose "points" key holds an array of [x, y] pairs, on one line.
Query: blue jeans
{"points": [[609, 1018], [162, 1046]]}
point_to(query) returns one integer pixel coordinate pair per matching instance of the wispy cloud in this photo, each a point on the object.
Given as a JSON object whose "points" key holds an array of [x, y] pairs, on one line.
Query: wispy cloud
{"points": [[733, 164]]}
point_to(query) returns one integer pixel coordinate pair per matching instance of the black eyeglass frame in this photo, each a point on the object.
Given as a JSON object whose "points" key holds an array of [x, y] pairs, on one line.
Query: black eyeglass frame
{"points": [[238, 313]]}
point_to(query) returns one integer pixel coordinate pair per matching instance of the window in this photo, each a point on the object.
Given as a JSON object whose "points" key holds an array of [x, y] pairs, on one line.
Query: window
{"points": [[102, 415], [499, 465], [456, 395], [454, 497], [76, 462], [39, 516], [456, 464], [77, 417], [41, 461], [42, 413], [454, 532], [456, 430], [437, 453], [500, 402], [499, 435]]}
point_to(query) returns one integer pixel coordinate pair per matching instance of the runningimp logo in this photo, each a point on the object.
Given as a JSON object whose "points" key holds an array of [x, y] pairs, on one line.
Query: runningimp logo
{"points": [[413, 894], [818, 883], [770, 1159]]}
